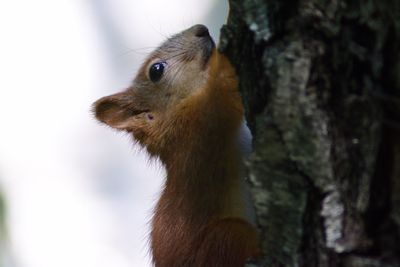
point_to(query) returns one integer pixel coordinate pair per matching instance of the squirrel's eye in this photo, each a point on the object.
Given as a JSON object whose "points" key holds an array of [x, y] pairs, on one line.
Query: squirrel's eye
{"points": [[156, 71]]}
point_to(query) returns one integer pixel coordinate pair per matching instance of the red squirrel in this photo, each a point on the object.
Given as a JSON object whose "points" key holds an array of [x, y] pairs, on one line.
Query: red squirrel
{"points": [[184, 107]]}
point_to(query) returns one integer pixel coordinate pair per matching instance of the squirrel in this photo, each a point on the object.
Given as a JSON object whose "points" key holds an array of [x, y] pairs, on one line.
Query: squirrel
{"points": [[184, 107]]}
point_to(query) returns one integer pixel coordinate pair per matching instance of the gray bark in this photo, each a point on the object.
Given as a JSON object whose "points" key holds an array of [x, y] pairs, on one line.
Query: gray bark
{"points": [[320, 81]]}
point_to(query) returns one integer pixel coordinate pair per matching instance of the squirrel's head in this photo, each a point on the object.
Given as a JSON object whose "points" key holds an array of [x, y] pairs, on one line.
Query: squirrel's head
{"points": [[170, 75]]}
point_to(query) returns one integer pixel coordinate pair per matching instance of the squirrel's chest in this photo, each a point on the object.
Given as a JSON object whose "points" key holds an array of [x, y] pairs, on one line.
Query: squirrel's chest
{"points": [[174, 239]]}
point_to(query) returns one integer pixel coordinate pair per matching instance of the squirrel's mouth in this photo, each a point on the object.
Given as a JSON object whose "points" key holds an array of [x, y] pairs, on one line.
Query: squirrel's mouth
{"points": [[208, 45]]}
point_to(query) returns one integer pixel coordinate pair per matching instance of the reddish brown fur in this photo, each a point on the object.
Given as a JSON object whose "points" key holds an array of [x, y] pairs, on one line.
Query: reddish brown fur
{"points": [[199, 218]]}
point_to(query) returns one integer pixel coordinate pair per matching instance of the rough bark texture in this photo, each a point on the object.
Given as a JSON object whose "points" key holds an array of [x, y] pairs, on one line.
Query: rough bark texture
{"points": [[320, 81]]}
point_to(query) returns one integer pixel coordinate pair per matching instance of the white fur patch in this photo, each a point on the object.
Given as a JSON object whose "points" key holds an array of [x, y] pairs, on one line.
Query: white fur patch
{"points": [[245, 139], [245, 145]]}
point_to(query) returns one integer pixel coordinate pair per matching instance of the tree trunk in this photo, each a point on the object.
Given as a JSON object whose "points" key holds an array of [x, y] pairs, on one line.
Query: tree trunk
{"points": [[320, 82]]}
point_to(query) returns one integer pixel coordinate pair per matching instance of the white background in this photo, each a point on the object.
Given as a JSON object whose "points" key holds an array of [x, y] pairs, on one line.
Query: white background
{"points": [[77, 193]]}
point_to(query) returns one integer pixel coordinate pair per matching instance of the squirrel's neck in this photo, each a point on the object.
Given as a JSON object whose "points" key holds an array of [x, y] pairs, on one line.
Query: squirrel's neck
{"points": [[203, 180]]}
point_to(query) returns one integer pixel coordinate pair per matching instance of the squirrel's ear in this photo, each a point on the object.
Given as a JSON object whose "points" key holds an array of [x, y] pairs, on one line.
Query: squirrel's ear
{"points": [[113, 110]]}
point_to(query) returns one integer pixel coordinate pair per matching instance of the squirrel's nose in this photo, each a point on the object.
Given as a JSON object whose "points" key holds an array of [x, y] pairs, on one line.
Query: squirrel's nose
{"points": [[200, 30]]}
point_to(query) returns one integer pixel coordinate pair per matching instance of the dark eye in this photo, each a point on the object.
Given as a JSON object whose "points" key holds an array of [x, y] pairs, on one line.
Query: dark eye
{"points": [[156, 71]]}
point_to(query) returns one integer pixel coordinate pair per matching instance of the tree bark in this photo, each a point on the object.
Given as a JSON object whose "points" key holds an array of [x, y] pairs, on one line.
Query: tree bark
{"points": [[320, 82]]}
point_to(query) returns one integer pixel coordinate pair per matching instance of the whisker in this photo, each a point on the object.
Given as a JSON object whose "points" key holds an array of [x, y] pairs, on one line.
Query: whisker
{"points": [[175, 56], [180, 66], [138, 51]]}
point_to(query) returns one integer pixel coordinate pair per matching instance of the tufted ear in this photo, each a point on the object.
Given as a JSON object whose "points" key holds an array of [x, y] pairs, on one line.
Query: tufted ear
{"points": [[115, 110]]}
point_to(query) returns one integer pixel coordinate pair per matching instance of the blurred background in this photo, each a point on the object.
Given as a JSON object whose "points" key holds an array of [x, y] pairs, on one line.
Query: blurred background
{"points": [[74, 192]]}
